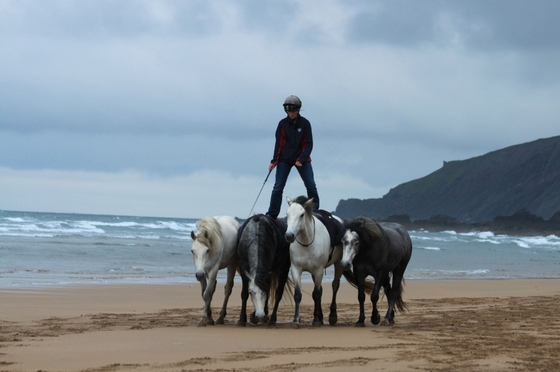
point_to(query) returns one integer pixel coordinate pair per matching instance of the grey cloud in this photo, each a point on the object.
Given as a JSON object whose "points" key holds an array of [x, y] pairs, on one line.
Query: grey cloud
{"points": [[113, 85], [159, 154], [402, 23], [512, 24], [105, 18], [478, 24]]}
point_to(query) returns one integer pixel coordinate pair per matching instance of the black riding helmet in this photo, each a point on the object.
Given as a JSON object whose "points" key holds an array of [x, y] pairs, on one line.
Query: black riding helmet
{"points": [[292, 103]]}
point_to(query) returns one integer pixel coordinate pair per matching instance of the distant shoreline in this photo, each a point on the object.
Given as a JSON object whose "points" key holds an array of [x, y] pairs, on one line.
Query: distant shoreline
{"points": [[522, 223]]}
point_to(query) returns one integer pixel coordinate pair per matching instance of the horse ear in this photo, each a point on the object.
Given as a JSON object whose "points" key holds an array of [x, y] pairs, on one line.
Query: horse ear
{"points": [[309, 203], [193, 236], [289, 200]]}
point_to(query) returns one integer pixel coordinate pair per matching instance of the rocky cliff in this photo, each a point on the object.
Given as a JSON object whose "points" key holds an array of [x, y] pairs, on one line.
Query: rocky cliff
{"points": [[500, 183]]}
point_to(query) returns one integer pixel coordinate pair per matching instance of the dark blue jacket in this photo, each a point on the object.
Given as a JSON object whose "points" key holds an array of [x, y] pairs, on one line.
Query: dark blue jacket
{"points": [[294, 141]]}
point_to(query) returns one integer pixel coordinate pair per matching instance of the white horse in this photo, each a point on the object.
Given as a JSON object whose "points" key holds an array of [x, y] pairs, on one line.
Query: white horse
{"points": [[214, 248], [311, 251]]}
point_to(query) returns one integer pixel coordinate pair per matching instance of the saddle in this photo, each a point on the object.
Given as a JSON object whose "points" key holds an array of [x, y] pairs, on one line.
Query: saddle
{"points": [[334, 227]]}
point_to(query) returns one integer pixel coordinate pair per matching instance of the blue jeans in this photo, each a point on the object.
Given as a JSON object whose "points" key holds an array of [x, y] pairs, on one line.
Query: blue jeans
{"points": [[282, 173]]}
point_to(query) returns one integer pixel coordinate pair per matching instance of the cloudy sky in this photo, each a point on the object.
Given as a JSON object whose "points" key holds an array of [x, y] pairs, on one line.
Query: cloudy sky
{"points": [[168, 108]]}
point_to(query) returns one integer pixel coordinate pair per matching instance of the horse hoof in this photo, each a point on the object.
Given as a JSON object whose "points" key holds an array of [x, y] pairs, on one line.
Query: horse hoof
{"points": [[202, 323], [317, 323], [220, 321], [359, 324], [295, 325], [375, 320], [387, 323], [241, 324], [333, 320]]}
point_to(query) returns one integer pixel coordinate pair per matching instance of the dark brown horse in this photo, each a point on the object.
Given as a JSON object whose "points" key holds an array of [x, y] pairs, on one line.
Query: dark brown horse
{"points": [[379, 250]]}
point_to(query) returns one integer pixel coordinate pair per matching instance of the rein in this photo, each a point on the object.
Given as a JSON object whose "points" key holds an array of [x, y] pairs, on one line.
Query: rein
{"points": [[312, 240]]}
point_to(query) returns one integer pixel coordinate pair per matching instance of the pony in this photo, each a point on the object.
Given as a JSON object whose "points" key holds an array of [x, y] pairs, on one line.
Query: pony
{"points": [[377, 249], [264, 261], [313, 250], [214, 248]]}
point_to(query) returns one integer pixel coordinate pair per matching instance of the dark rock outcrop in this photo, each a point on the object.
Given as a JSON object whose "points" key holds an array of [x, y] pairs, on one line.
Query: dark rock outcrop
{"points": [[477, 190]]}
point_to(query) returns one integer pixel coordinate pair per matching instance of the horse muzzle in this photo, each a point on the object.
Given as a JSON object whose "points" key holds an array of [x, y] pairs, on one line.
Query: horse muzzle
{"points": [[199, 275], [346, 265], [290, 237]]}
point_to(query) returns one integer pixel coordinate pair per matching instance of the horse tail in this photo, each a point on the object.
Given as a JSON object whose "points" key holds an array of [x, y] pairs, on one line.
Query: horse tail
{"points": [[399, 302], [368, 285], [287, 295]]}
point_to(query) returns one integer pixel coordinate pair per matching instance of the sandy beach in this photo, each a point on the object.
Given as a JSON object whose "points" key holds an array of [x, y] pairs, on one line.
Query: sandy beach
{"points": [[497, 325]]}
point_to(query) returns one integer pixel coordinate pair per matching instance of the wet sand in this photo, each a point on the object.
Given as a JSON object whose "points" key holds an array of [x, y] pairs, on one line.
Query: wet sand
{"points": [[496, 325]]}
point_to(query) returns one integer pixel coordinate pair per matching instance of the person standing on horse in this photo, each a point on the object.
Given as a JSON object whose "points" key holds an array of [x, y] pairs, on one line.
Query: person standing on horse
{"points": [[294, 142]]}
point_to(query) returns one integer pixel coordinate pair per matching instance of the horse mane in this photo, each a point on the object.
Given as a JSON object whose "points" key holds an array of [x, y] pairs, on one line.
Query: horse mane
{"points": [[303, 200], [267, 250], [209, 230], [367, 229]]}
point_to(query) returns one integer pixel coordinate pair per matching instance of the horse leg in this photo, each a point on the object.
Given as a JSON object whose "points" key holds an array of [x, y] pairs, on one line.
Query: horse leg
{"points": [[244, 297], [283, 278], [317, 312], [360, 282], [317, 295], [389, 293], [203, 285], [227, 292], [394, 298], [333, 316], [209, 286], [296, 277], [265, 320], [375, 317]]}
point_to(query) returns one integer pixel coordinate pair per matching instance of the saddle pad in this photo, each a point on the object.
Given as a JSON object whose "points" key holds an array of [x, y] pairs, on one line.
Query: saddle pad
{"points": [[334, 227]]}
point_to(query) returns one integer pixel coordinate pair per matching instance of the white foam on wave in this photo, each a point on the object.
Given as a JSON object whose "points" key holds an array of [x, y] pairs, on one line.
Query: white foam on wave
{"points": [[14, 219], [449, 274], [485, 234], [551, 242], [429, 248], [38, 235]]}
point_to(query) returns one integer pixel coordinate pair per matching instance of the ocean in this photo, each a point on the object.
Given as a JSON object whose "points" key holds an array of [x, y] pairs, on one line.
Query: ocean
{"points": [[57, 249]]}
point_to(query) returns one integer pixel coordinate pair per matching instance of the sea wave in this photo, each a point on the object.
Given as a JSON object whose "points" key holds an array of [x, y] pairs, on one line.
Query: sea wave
{"points": [[61, 249]]}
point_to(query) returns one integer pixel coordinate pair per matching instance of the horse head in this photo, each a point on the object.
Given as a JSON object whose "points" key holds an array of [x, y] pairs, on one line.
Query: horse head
{"points": [[204, 244], [300, 212], [200, 252], [350, 247]]}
